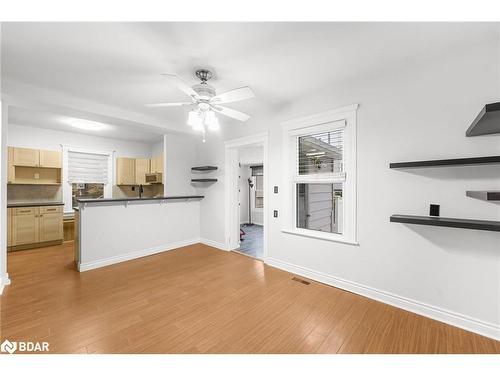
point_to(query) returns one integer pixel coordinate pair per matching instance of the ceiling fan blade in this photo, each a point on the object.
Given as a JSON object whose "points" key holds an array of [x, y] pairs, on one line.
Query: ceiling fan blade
{"points": [[152, 105], [230, 112], [235, 95], [181, 85]]}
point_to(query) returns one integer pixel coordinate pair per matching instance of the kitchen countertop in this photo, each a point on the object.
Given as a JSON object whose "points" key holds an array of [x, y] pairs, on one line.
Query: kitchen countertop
{"points": [[33, 204], [136, 199]]}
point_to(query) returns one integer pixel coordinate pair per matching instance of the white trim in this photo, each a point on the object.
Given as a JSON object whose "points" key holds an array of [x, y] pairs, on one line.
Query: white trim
{"points": [[320, 118], [4, 281], [248, 140], [341, 117], [449, 317], [231, 218], [334, 237], [215, 244], [135, 254]]}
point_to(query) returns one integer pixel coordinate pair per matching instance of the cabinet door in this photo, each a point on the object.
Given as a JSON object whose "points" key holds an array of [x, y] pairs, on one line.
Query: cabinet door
{"points": [[24, 226], [159, 163], [125, 171], [141, 168], [11, 170], [26, 157], [9, 226], [51, 226], [152, 164], [50, 159]]}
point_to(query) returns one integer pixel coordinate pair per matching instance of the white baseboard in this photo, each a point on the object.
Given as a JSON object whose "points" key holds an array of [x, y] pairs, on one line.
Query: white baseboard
{"points": [[134, 255], [433, 312], [4, 281], [217, 245]]}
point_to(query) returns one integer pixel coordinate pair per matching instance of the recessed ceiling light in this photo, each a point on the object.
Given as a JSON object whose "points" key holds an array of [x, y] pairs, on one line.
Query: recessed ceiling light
{"points": [[86, 124]]}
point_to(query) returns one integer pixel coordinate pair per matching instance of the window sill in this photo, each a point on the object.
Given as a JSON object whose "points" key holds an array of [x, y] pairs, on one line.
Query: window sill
{"points": [[320, 236]]}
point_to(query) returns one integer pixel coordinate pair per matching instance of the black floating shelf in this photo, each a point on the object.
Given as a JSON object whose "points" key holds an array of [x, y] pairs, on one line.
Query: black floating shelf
{"points": [[203, 180], [204, 168], [486, 122], [447, 162], [487, 195], [447, 222]]}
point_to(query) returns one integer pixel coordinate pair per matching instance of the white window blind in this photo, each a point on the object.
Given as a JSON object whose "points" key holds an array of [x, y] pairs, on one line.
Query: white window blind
{"points": [[87, 168], [321, 153]]}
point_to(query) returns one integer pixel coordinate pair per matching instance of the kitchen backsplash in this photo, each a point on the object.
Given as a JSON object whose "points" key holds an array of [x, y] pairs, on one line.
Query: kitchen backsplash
{"points": [[127, 192], [32, 193], [47, 193]]}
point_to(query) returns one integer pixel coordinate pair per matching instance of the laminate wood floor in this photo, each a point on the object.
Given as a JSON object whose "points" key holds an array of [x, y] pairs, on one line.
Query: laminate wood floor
{"points": [[198, 299]]}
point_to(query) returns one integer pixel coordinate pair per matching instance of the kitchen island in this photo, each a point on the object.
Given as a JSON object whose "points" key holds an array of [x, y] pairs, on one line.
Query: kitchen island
{"points": [[109, 231]]}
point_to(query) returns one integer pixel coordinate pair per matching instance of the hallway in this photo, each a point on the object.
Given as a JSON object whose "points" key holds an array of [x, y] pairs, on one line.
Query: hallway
{"points": [[252, 241]]}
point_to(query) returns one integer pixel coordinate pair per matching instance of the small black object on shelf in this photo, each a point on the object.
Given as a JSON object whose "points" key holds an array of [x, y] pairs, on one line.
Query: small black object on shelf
{"points": [[204, 168], [203, 180], [434, 210], [486, 225], [487, 195], [447, 162], [486, 122]]}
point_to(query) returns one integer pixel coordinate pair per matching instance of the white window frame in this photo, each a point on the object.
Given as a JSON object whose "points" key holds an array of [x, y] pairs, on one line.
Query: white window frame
{"points": [[67, 188], [341, 118]]}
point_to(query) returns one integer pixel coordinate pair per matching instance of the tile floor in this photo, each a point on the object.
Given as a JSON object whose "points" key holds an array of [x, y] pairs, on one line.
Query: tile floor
{"points": [[253, 241]]}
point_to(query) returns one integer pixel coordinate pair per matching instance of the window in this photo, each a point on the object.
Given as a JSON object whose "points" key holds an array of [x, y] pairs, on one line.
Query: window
{"points": [[259, 191], [322, 191], [80, 190], [319, 157], [88, 174], [258, 180]]}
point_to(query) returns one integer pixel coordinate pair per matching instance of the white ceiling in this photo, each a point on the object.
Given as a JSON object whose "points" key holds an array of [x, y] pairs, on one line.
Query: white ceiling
{"points": [[119, 64], [112, 127]]}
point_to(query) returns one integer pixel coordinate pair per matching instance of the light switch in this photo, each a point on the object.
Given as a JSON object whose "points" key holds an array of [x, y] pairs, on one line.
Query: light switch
{"points": [[275, 213]]}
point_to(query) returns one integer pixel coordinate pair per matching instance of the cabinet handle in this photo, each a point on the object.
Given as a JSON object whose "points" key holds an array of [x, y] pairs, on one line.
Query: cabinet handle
{"points": [[51, 209], [24, 211]]}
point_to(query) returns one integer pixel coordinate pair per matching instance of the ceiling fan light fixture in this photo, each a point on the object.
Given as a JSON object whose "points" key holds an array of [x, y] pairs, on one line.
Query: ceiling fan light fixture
{"points": [[212, 121], [194, 119], [207, 101]]}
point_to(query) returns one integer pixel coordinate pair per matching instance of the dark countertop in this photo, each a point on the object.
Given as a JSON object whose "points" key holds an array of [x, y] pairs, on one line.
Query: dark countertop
{"points": [[140, 199], [33, 204]]}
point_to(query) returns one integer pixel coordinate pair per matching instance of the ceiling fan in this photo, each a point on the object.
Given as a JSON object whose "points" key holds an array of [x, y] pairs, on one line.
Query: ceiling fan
{"points": [[207, 102]]}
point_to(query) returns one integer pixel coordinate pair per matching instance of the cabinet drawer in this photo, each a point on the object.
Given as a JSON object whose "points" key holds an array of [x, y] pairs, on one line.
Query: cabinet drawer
{"points": [[24, 211], [51, 209]]}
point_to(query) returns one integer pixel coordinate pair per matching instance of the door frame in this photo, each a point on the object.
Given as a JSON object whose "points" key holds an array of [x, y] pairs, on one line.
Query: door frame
{"points": [[232, 219]]}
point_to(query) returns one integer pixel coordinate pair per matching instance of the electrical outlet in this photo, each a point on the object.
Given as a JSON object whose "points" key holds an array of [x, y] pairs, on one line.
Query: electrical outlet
{"points": [[275, 190], [37, 176], [275, 213], [434, 210]]}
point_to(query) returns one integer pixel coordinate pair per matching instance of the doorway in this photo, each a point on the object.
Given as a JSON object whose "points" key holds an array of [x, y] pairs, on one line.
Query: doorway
{"points": [[251, 203], [246, 201]]}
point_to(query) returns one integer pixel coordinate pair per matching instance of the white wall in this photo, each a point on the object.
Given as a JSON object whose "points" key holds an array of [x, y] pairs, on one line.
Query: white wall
{"points": [[180, 156], [113, 232], [212, 215], [412, 113], [27, 136], [245, 174], [4, 277]]}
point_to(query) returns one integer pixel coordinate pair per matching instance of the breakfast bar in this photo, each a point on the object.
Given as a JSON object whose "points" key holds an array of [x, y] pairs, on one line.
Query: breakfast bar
{"points": [[110, 231]]}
